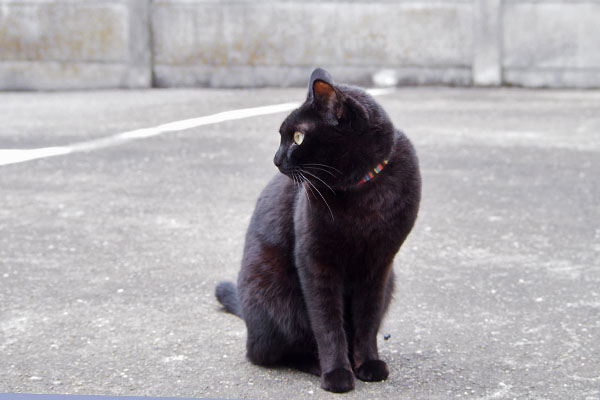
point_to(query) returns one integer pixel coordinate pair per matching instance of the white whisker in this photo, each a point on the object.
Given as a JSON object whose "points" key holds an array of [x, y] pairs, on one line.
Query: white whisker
{"points": [[302, 180], [324, 165], [322, 181], [314, 187], [307, 196], [295, 179], [320, 169]]}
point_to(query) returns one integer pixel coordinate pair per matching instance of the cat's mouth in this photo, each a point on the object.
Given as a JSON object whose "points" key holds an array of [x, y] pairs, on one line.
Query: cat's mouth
{"points": [[285, 171], [294, 174]]}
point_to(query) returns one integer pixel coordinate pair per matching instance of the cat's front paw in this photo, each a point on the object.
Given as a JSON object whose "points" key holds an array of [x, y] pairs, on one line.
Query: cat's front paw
{"points": [[339, 380], [373, 371]]}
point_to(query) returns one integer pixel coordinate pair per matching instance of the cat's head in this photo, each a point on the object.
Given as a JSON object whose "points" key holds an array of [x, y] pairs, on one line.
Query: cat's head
{"points": [[335, 137]]}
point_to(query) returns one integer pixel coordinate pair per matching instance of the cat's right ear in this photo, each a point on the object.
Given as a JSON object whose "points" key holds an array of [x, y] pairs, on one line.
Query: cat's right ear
{"points": [[324, 96]]}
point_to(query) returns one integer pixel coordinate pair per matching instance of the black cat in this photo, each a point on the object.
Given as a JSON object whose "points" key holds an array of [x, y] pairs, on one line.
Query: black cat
{"points": [[317, 276]]}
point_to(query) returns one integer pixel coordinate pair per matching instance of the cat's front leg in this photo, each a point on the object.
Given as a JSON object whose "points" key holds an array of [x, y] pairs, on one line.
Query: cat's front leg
{"points": [[368, 306], [322, 288]]}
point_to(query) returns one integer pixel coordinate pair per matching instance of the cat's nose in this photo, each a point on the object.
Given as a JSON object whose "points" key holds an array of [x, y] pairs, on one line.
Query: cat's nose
{"points": [[278, 159]]}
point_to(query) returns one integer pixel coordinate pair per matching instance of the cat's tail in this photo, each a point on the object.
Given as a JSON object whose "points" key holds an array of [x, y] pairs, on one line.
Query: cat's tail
{"points": [[226, 293]]}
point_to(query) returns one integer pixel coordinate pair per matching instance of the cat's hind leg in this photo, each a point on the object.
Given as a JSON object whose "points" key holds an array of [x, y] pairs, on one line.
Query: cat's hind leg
{"points": [[303, 356], [265, 345]]}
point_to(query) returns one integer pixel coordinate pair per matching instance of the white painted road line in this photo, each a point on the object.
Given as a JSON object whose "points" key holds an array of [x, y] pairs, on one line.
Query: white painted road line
{"points": [[14, 156]]}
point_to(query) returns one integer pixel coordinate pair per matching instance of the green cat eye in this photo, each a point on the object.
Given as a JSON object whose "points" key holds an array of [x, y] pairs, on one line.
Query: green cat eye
{"points": [[298, 137]]}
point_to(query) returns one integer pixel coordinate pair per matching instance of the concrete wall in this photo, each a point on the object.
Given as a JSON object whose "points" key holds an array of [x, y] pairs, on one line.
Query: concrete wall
{"points": [[69, 44], [56, 44], [551, 43]]}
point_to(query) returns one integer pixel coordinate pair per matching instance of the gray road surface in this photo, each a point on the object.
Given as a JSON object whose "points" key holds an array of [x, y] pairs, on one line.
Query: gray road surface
{"points": [[108, 259]]}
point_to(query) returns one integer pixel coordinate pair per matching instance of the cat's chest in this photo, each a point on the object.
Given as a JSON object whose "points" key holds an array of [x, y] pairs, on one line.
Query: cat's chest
{"points": [[350, 246], [345, 208], [349, 229]]}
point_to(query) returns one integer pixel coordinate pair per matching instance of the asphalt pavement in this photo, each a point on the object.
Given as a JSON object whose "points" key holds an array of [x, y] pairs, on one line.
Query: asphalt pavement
{"points": [[109, 257]]}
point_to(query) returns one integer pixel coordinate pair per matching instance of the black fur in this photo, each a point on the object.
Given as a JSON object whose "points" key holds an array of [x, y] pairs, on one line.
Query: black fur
{"points": [[317, 276], [227, 295]]}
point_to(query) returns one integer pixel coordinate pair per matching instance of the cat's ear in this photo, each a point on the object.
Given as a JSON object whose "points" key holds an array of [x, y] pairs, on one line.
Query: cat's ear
{"points": [[324, 96]]}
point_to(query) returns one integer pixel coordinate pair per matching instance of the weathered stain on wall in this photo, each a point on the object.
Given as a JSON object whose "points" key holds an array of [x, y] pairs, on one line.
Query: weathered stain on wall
{"points": [[55, 44], [73, 32]]}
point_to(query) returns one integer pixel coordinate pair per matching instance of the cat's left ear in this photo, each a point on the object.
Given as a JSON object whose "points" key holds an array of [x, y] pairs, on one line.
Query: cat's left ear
{"points": [[324, 96]]}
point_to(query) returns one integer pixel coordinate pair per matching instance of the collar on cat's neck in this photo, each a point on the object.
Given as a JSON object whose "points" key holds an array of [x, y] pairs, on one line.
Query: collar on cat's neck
{"points": [[374, 172]]}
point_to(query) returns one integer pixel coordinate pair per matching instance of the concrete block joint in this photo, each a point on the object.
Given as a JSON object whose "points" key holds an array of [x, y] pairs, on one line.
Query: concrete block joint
{"points": [[76, 44]]}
